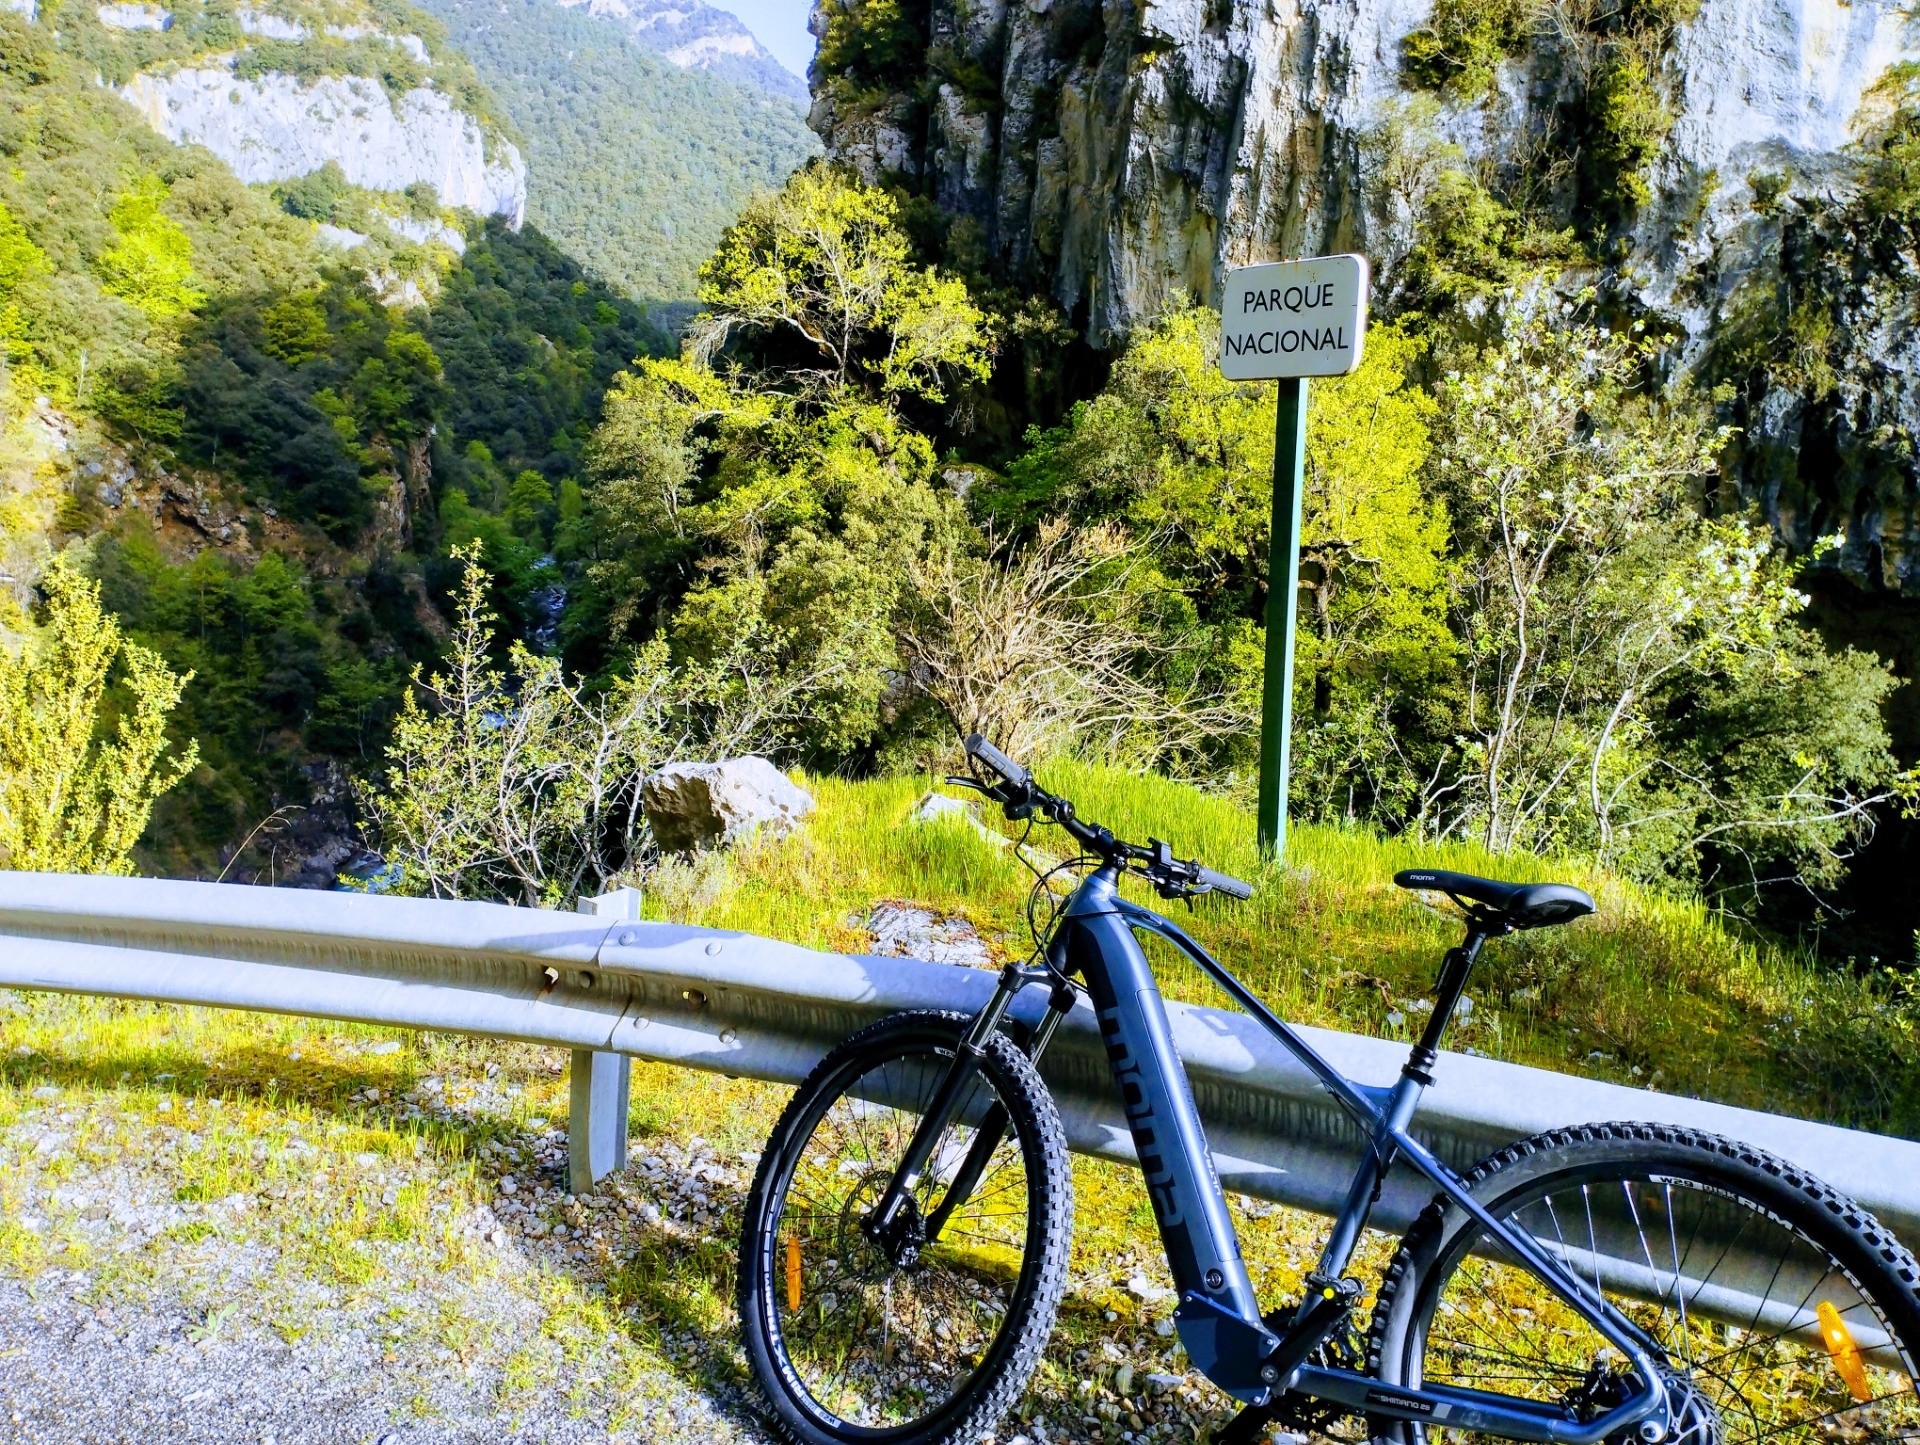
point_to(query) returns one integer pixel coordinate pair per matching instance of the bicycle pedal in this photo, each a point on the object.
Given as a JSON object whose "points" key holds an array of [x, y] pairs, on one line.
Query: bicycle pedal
{"points": [[1346, 1290]]}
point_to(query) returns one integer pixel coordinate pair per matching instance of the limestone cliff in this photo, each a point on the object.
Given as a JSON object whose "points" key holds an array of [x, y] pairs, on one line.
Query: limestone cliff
{"points": [[280, 90], [275, 127], [1117, 151]]}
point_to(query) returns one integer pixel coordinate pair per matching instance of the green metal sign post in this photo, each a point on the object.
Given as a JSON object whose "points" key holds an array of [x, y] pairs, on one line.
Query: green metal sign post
{"points": [[1288, 320], [1283, 605]]}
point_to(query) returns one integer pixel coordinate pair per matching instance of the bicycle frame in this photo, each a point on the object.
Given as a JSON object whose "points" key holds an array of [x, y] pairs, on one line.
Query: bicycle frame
{"points": [[1218, 1318]]}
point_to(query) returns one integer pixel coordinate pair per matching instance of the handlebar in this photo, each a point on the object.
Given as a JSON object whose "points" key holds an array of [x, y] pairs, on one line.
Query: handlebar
{"points": [[1225, 883], [1010, 772], [1022, 797]]}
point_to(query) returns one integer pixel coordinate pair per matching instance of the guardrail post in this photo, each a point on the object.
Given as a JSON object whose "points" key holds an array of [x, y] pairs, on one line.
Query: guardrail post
{"points": [[599, 1084], [597, 1117]]}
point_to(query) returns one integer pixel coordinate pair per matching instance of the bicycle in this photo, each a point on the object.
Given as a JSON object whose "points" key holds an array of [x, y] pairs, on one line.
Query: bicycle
{"points": [[905, 1240]]}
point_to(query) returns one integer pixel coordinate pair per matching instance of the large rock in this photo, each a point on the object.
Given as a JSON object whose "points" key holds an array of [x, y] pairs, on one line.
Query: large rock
{"points": [[699, 805], [907, 930]]}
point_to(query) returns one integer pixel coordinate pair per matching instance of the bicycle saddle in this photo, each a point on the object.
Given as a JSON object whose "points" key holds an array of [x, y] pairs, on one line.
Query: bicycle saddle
{"points": [[1517, 905]]}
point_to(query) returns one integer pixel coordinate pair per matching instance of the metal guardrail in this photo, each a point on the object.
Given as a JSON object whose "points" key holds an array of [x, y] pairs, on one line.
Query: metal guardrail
{"points": [[741, 1005]]}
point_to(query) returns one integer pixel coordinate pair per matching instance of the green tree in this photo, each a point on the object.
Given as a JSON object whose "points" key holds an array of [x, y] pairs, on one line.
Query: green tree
{"points": [[1626, 653], [396, 392], [20, 260], [1184, 458], [295, 328], [150, 262], [530, 507], [314, 196], [822, 271], [776, 509], [81, 760]]}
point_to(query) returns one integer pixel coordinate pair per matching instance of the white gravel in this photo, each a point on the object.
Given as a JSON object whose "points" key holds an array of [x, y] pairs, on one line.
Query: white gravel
{"points": [[73, 1375]]}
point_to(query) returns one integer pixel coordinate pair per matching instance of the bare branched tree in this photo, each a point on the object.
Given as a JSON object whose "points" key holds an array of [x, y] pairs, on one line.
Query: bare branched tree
{"points": [[1593, 590], [521, 783], [1049, 649]]}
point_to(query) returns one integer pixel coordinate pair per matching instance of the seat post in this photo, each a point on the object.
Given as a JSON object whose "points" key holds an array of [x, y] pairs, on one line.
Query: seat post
{"points": [[1446, 997]]}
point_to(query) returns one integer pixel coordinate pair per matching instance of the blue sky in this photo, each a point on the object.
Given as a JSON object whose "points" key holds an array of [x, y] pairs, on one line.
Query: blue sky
{"points": [[780, 25]]}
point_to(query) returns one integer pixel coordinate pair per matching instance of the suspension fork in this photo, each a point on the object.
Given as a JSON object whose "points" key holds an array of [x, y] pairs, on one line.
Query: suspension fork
{"points": [[994, 1126], [885, 1224]]}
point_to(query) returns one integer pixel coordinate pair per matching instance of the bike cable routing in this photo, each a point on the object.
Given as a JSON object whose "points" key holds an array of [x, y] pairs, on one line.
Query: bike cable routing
{"points": [[1023, 799]]}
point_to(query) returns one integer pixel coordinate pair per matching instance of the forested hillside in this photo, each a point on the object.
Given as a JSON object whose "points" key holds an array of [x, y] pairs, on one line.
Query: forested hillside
{"points": [[259, 416], [697, 36], [635, 164]]}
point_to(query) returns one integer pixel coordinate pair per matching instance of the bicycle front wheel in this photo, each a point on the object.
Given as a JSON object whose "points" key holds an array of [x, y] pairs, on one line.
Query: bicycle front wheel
{"points": [[1785, 1312], [930, 1338]]}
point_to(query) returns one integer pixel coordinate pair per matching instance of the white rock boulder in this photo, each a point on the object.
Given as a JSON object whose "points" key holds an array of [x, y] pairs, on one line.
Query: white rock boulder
{"points": [[698, 805], [135, 17], [270, 27], [940, 808], [907, 930]]}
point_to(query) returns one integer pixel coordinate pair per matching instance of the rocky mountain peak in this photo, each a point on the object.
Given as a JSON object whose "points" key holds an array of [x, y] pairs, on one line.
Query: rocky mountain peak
{"points": [[696, 36]]}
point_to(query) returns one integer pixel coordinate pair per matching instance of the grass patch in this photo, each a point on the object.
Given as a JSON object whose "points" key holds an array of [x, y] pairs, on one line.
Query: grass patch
{"points": [[1651, 991]]}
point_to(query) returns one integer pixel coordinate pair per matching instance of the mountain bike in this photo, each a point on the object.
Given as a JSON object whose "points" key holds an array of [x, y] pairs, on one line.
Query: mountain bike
{"points": [[905, 1243]]}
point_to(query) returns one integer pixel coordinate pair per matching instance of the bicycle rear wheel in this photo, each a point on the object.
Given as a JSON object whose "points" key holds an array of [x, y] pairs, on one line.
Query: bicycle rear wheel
{"points": [[1786, 1312], [850, 1341]]}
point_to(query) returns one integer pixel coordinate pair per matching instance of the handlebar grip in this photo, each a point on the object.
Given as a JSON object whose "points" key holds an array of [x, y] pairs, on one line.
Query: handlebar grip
{"points": [[1015, 775], [1222, 883]]}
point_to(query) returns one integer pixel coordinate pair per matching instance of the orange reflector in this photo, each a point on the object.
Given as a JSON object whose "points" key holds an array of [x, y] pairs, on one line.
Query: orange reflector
{"points": [[1847, 1358], [793, 1274]]}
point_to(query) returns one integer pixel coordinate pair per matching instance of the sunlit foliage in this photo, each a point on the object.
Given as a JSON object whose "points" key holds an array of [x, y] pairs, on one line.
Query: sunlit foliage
{"points": [[83, 745]]}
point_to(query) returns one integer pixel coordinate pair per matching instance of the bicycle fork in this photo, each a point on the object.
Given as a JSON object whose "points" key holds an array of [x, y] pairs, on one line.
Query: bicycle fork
{"points": [[893, 1224]]}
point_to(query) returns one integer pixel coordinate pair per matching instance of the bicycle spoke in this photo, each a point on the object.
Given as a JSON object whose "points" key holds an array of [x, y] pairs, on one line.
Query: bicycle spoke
{"points": [[1468, 1348], [1485, 1294], [1849, 1407], [873, 1342], [1769, 1377]]}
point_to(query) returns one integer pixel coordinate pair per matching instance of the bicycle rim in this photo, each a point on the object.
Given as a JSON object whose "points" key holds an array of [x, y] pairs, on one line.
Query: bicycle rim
{"points": [[1769, 1335], [865, 1343]]}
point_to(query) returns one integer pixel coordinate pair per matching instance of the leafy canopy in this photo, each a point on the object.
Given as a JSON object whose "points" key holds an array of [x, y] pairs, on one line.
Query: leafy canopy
{"points": [[821, 272], [150, 262], [1615, 634], [774, 510], [1183, 458]]}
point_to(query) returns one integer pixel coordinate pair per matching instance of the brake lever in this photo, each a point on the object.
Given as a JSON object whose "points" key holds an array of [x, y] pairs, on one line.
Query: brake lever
{"points": [[1014, 808], [1172, 877]]}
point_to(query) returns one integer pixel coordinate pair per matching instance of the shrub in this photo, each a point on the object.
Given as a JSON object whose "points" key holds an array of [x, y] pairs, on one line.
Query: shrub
{"points": [[82, 761]]}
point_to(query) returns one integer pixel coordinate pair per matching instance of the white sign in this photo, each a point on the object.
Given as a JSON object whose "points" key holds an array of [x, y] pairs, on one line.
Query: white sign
{"points": [[1294, 318]]}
